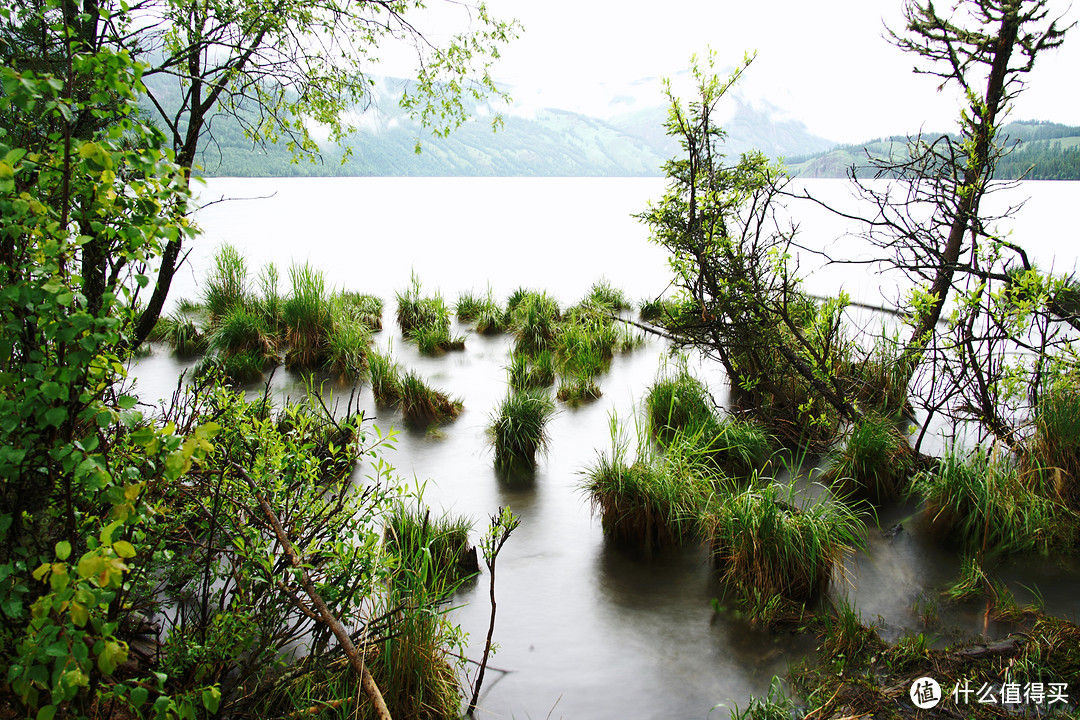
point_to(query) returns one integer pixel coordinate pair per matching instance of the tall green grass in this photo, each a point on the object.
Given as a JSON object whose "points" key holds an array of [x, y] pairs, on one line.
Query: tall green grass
{"points": [[426, 320], [606, 296], [872, 463], [347, 349], [766, 543], [423, 405], [985, 501], [362, 308], [436, 549], [678, 401], [385, 376], [181, 333], [653, 500], [1054, 448], [519, 427], [531, 371], [307, 318], [226, 286], [534, 317]]}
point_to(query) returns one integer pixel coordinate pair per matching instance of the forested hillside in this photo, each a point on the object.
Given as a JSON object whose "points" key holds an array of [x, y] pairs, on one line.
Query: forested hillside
{"points": [[1040, 151]]}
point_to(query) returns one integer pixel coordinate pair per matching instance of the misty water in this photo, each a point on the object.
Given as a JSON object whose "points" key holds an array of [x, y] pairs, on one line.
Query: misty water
{"points": [[585, 628]]}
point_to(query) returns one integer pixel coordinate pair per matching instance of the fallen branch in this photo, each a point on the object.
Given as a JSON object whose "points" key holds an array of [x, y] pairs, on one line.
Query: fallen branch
{"points": [[327, 617]]}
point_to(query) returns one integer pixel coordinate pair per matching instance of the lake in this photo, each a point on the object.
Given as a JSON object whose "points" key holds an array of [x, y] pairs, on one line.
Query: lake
{"points": [[585, 629]]}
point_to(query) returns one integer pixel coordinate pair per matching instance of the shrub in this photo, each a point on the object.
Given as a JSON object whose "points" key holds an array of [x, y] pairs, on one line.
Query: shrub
{"points": [[519, 427]]}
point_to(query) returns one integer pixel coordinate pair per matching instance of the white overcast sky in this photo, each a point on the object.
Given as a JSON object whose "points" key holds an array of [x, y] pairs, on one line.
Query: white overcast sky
{"points": [[824, 62]]}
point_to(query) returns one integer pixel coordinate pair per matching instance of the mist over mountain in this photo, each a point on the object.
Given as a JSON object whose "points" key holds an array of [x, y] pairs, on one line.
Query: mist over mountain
{"points": [[539, 141]]}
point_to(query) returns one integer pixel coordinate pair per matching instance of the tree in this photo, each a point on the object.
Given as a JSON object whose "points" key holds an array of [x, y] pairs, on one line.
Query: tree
{"points": [[988, 358], [984, 49], [278, 68], [740, 297]]}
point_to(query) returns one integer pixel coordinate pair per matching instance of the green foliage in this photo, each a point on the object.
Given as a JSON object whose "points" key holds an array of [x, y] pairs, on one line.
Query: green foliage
{"points": [[740, 300], [776, 705], [307, 318], [437, 549], [519, 426], [426, 320], [423, 405], [654, 500]]}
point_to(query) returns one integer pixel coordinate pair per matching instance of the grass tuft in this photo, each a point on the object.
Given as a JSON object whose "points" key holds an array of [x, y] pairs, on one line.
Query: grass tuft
{"points": [[766, 545], [872, 463], [519, 427]]}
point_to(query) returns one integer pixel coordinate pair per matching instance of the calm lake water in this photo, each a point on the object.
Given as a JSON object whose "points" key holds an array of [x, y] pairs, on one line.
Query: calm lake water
{"points": [[585, 629]]}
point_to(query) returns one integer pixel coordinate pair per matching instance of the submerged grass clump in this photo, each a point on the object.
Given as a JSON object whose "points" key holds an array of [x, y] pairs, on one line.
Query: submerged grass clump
{"points": [[535, 318], [765, 544], [604, 295], [426, 320], [677, 402], [872, 463], [226, 287], [680, 404], [307, 318], [519, 427], [535, 371], [181, 333], [385, 376], [1054, 449], [986, 501], [347, 349], [423, 405], [653, 500], [363, 308]]}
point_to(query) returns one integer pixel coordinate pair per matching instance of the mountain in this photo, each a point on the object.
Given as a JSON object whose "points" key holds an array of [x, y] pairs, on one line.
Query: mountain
{"points": [[1040, 151], [544, 142]]}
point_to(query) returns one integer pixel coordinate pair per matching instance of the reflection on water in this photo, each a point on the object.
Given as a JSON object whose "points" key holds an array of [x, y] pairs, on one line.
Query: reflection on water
{"points": [[585, 628]]}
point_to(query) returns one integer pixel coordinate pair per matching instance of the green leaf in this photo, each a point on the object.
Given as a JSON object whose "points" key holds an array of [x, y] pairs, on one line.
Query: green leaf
{"points": [[211, 698], [124, 549], [46, 712], [138, 696], [63, 550]]}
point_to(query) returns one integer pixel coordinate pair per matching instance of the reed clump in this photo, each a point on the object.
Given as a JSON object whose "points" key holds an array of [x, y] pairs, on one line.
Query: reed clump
{"points": [[872, 463], [181, 333], [423, 405], [1054, 448], [437, 549], [307, 318], [653, 500], [766, 544], [534, 317], [518, 427], [531, 371], [226, 287], [986, 501], [426, 320], [679, 404], [385, 376]]}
